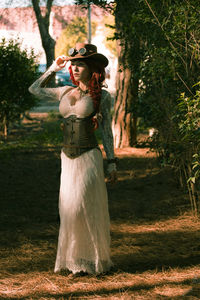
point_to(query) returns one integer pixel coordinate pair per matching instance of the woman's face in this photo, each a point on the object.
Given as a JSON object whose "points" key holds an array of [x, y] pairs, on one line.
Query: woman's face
{"points": [[80, 71]]}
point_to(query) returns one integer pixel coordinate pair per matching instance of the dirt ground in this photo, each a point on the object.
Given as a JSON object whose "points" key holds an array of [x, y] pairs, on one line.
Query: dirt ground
{"points": [[155, 240]]}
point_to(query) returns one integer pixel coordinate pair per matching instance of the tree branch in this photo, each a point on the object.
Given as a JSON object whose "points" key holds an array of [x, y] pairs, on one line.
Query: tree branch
{"points": [[37, 10], [167, 37], [48, 10], [179, 76]]}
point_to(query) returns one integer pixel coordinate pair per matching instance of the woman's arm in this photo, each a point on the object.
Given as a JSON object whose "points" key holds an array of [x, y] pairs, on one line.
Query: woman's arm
{"points": [[38, 87], [106, 131]]}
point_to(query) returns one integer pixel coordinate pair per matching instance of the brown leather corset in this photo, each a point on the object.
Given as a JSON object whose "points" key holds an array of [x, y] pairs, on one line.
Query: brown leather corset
{"points": [[79, 135]]}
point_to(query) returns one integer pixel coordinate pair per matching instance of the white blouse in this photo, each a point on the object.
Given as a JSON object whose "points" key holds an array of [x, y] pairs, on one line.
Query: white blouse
{"points": [[82, 107]]}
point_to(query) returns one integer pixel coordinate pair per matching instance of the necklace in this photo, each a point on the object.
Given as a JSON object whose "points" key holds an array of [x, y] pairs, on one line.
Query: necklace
{"points": [[82, 93]]}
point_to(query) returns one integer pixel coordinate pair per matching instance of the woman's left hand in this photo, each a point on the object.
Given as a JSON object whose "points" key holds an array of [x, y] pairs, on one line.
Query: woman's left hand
{"points": [[112, 178]]}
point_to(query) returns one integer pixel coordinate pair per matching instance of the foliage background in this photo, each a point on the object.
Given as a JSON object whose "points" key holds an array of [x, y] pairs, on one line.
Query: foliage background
{"points": [[17, 73], [75, 32]]}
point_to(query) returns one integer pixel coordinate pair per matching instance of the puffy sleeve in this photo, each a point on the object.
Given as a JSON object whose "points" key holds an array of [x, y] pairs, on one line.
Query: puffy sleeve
{"points": [[105, 125], [38, 87]]}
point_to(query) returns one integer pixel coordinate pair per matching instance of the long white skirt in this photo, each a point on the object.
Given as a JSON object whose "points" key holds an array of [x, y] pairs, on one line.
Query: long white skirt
{"points": [[84, 236]]}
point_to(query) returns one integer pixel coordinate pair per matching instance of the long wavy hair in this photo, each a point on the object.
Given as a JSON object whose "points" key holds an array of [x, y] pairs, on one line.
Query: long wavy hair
{"points": [[96, 80]]}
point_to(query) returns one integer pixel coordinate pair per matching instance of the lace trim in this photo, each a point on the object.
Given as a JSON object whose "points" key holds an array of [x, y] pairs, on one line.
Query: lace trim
{"points": [[38, 87], [85, 266]]}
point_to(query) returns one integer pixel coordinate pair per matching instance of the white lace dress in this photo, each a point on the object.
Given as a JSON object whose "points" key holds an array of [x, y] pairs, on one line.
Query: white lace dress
{"points": [[84, 235]]}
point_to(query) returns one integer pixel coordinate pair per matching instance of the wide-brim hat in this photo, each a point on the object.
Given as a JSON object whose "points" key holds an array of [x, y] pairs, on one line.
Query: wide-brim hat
{"points": [[82, 51]]}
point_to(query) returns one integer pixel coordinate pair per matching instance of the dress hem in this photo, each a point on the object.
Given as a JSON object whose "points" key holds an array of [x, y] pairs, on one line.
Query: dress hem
{"points": [[84, 269]]}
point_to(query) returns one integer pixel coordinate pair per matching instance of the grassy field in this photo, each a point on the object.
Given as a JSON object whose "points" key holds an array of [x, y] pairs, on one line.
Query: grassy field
{"points": [[155, 239]]}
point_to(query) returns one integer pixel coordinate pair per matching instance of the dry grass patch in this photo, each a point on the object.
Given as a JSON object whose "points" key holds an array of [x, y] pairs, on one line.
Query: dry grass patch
{"points": [[157, 280], [45, 285]]}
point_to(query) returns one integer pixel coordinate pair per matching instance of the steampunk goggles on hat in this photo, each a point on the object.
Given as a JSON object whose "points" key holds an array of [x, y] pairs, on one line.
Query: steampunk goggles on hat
{"points": [[73, 51], [82, 51]]}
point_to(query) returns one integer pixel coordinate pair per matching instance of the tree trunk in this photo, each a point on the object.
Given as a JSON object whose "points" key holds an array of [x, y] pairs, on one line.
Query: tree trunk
{"points": [[5, 127], [125, 117], [128, 46], [48, 42], [49, 48]]}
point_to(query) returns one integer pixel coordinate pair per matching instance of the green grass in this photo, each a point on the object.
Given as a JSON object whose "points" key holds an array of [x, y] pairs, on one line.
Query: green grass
{"points": [[47, 133]]}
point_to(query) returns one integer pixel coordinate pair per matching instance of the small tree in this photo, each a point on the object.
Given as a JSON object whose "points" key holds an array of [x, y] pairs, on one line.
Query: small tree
{"points": [[42, 10], [17, 72]]}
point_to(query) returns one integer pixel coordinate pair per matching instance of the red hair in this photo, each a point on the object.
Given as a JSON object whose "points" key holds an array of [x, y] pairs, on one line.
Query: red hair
{"points": [[72, 76], [96, 80]]}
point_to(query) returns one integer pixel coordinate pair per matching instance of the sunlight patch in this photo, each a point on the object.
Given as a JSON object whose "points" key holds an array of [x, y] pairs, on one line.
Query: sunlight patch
{"points": [[172, 291]]}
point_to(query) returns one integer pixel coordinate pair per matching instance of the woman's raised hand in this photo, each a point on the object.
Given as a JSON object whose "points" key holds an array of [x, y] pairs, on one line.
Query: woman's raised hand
{"points": [[59, 63]]}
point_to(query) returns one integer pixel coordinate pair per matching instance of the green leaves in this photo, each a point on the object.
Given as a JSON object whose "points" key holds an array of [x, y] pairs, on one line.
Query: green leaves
{"points": [[17, 72], [195, 168], [75, 32]]}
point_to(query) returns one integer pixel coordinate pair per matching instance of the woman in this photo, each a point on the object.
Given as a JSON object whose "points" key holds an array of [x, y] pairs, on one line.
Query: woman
{"points": [[84, 236]]}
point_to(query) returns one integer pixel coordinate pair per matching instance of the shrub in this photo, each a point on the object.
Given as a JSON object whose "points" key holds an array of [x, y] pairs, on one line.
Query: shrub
{"points": [[179, 148], [17, 72]]}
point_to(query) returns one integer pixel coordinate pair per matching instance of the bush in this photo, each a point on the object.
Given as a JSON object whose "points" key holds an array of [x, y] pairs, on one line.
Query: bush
{"points": [[179, 148], [17, 72]]}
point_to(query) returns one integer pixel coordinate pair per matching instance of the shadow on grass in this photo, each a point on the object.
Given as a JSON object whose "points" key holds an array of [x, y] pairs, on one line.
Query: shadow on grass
{"points": [[140, 252], [131, 253], [29, 214], [145, 192]]}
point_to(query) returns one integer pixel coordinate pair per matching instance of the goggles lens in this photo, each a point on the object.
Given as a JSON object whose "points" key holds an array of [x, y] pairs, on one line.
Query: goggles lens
{"points": [[82, 51], [73, 51]]}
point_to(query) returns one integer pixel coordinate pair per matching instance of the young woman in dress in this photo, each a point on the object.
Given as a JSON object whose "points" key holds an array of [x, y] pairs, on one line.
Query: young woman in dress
{"points": [[84, 235]]}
